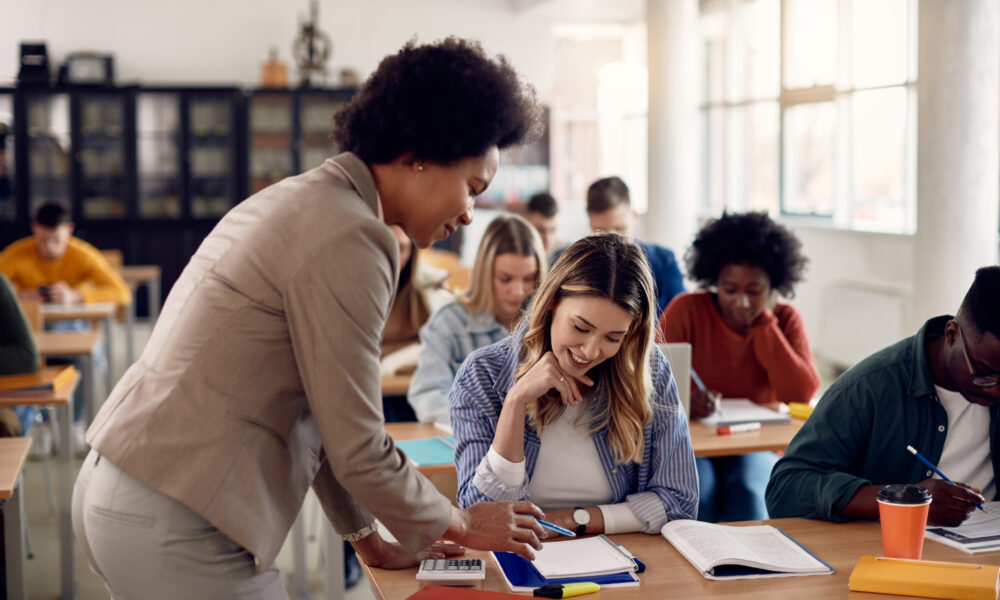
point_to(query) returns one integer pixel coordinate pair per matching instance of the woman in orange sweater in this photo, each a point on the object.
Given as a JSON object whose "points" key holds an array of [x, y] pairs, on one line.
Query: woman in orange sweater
{"points": [[745, 344]]}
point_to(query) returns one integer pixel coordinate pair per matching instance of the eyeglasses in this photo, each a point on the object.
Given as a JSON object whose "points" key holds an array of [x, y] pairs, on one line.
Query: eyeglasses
{"points": [[977, 379]]}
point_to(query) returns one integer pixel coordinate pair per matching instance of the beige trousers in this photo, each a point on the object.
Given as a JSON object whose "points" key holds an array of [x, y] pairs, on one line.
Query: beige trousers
{"points": [[145, 545]]}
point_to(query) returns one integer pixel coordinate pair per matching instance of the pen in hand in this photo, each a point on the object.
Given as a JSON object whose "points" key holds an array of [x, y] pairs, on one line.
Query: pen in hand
{"points": [[931, 466], [556, 528], [712, 396]]}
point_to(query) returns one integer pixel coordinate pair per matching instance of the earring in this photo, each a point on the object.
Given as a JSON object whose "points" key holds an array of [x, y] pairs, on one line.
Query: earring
{"points": [[420, 167]]}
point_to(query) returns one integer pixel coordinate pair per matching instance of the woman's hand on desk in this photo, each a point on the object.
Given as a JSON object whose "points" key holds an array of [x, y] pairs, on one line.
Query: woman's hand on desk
{"points": [[375, 551], [508, 526]]}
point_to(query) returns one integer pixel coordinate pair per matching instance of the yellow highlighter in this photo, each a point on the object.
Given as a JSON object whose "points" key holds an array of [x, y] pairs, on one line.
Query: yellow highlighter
{"points": [[567, 590]]}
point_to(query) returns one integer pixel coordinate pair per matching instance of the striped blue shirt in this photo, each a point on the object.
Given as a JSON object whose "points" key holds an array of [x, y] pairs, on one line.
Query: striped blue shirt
{"points": [[447, 337], [661, 488]]}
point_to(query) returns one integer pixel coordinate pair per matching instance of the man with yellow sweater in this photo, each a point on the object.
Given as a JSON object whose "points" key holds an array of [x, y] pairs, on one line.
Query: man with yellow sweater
{"points": [[59, 267]]}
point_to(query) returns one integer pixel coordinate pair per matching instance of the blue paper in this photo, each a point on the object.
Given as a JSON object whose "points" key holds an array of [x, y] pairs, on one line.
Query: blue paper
{"points": [[427, 452], [521, 573]]}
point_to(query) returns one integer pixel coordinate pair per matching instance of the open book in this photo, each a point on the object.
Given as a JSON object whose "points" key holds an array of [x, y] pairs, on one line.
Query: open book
{"points": [[727, 552], [979, 533]]}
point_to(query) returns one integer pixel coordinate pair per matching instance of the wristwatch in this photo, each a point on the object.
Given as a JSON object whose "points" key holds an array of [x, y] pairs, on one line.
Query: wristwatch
{"points": [[582, 518]]}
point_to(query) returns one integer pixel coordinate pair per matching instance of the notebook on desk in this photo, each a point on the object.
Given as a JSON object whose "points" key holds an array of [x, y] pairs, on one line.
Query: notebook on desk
{"points": [[429, 451], [734, 411], [596, 559]]}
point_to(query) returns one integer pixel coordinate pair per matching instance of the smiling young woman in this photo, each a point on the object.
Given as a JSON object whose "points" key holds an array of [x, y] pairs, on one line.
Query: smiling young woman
{"points": [[578, 411], [509, 264]]}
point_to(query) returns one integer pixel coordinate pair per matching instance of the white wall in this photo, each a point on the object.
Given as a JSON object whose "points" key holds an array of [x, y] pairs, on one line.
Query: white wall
{"points": [[225, 41]]}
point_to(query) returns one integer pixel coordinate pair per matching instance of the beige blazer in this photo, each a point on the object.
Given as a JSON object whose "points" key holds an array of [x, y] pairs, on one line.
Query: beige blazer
{"points": [[261, 376]]}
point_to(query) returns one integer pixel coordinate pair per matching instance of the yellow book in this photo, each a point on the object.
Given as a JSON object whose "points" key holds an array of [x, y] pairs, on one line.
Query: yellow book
{"points": [[925, 578], [43, 381]]}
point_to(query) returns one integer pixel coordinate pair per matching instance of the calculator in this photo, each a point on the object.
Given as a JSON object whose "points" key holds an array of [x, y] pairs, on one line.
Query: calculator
{"points": [[449, 571]]}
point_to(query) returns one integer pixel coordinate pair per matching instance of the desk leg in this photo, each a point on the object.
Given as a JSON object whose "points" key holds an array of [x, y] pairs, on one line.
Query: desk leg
{"points": [[13, 540], [154, 299], [88, 380], [129, 339], [334, 567], [109, 375], [65, 416], [300, 573]]}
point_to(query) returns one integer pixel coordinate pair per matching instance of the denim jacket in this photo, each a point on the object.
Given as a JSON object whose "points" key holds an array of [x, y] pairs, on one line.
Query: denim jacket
{"points": [[858, 433], [446, 339]]}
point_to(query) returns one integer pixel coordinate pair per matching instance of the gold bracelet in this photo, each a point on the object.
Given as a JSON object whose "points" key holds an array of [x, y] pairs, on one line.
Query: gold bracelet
{"points": [[361, 533]]}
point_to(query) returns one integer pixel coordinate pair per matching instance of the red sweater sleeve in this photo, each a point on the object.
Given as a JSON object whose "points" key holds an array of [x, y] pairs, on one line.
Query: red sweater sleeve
{"points": [[781, 347]]}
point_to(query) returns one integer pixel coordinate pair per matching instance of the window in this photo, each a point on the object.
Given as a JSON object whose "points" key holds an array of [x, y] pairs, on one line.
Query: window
{"points": [[810, 110]]}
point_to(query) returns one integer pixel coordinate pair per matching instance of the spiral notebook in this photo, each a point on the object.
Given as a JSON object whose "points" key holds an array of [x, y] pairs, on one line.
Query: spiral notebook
{"points": [[596, 559]]}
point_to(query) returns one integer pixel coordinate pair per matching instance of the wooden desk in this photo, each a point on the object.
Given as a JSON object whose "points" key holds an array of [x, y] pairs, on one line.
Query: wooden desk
{"points": [[840, 545], [75, 344], [771, 438], [63, 401], [94, 312], [134, 276], [395, 385], [13, 453]]}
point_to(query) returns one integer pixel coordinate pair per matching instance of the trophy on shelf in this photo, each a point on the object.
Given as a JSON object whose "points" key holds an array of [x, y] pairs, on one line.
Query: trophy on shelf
{"points": [[311, 49]]}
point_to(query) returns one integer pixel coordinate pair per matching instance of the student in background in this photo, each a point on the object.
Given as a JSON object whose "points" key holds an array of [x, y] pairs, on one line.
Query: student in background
{"points": [[18, 354], [578, 411], [744, 344], [509, 264], [419, 293], [609, 208], [261, 377], [541, 212], [56, 267], [938, 391]]}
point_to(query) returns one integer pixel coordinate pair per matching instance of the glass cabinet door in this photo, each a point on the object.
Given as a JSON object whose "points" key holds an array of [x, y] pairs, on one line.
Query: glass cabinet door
{"points": [[315, 121], [270, 138], [48, 148], [158, 147], [100, 153], [211, 154], [8, 189]]}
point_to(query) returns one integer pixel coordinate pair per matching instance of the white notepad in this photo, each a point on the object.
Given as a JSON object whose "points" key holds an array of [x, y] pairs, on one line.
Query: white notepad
{"points": [[582, 557], [740, 410]]}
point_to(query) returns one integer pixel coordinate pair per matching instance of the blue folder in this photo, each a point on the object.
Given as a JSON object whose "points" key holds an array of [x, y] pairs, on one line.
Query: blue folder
{"points": [[429, 451], [521, 573]]}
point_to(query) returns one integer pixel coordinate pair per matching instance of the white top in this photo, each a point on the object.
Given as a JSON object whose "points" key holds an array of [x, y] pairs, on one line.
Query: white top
{"points": [[568, 473], [966, 454]]}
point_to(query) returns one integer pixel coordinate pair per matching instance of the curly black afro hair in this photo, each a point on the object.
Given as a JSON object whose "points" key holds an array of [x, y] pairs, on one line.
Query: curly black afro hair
{"points": [[441, 102], [748, 237]]}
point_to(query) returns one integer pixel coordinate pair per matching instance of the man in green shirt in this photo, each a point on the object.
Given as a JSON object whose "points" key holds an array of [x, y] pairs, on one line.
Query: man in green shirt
{"points": [[936, 391]]}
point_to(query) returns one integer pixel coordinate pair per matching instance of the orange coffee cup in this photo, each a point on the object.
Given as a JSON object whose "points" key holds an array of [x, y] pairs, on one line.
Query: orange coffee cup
{"points": [[903, 509]]}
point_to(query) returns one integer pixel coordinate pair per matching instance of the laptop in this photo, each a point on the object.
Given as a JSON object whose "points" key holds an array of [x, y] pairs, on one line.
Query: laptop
{"points": [[679, 356]]}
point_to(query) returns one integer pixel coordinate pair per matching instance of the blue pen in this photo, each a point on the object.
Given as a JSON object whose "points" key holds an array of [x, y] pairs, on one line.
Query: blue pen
{"points": [[931, 466], [556, 528]]}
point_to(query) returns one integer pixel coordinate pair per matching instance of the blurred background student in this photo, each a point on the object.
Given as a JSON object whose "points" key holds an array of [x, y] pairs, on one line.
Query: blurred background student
{"points": [[509, 264], [745, 344], [541, 212], [578, 411], [18, 354]]}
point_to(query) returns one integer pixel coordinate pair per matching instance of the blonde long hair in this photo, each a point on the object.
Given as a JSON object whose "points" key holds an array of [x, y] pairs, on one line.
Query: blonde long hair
{"points": [[506, 234], [609, 266]]}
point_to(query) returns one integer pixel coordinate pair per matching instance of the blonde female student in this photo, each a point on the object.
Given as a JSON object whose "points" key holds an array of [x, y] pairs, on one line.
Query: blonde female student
{"points": [[509, 264], [578, 411]]}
